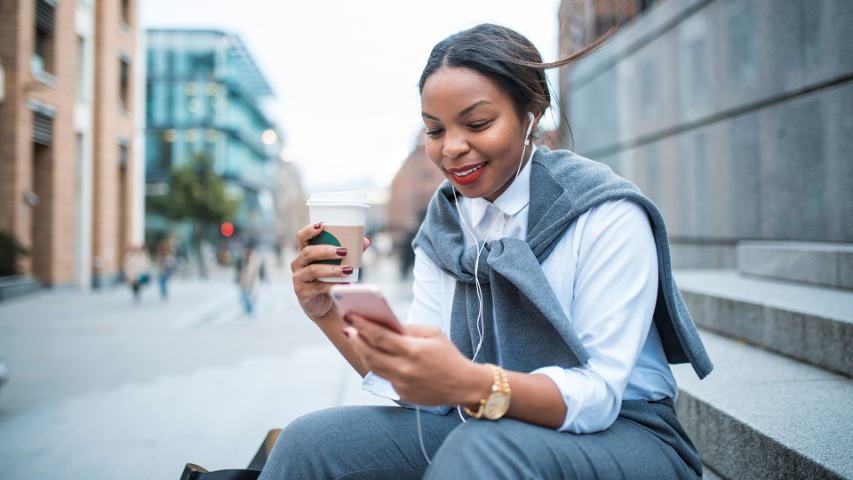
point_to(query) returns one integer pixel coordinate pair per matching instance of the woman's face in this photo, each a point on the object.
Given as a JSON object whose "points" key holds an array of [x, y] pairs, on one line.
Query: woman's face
{"points": [[473, 133]]}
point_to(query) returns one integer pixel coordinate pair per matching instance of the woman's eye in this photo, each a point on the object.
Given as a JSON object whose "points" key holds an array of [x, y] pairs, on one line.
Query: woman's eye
{"points": [[479, 125], [434, 132]]}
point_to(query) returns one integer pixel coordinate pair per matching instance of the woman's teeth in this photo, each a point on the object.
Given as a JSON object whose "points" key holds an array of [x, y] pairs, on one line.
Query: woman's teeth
{"points": [[469, 172]]}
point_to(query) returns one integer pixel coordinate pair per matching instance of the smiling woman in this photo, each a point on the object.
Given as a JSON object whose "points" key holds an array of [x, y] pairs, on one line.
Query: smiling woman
{"points": [[544, 306], [480, 140]]}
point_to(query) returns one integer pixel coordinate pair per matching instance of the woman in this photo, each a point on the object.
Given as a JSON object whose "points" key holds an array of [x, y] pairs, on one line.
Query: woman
{"points": [[136, 269], [248, 275], [547, 269], [165, 260]]}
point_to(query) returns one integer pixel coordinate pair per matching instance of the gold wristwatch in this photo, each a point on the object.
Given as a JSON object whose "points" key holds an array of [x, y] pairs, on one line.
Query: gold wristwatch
{"points": [[496, 404]]}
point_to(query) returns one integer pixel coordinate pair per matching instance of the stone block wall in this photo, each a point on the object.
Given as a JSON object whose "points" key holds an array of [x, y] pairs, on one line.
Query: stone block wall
{"points": [[731, 115]]}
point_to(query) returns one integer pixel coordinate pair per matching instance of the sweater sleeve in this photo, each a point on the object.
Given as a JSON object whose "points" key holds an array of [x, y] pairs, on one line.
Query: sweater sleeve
{"points": [[615, 290]]}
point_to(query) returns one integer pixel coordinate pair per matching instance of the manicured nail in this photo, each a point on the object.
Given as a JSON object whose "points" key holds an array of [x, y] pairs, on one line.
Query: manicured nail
{"points": [[346, 333], [318, 225], [342, 252], [346, 270], [348, 319]]}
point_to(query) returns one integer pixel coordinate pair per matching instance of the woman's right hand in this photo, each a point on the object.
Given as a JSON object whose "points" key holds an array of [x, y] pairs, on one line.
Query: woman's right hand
{"points": [[313, 294]]}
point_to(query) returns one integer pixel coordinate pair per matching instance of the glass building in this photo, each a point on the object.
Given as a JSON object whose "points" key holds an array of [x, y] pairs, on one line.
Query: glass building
{"points": [[204, 96]]}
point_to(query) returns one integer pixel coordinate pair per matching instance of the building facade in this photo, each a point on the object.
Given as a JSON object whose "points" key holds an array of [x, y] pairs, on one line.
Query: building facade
{"points": [[730, 115], [292, 214], [69, 179], [411, 190], [205, 96]]}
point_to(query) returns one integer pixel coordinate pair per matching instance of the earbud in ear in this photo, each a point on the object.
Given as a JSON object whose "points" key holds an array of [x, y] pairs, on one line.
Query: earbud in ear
{"points": [[531, 119]]}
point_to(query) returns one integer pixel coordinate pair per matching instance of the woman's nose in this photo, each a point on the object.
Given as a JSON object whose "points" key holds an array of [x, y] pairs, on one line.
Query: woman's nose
{"points": [[455, 146]]}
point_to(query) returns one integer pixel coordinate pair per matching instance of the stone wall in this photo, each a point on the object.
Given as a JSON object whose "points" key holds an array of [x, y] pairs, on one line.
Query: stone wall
{"points": [[731, 115]]}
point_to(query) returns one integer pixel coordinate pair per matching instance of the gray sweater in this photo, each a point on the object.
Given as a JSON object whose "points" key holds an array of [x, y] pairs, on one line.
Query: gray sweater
{"points": [[525, 325]]}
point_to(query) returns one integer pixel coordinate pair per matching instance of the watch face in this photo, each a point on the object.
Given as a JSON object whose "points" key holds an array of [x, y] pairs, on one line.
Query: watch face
{"points": [[497, 405]]}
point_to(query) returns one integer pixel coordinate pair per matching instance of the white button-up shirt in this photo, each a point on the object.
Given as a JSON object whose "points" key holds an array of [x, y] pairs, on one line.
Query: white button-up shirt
{"points": [[604, 272]]}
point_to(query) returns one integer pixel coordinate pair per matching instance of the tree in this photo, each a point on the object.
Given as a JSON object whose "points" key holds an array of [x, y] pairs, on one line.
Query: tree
{"points": [[197, 195]]}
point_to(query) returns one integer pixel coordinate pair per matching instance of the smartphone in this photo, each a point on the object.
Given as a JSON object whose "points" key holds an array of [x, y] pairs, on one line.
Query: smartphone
{"points": [[367, 301]]}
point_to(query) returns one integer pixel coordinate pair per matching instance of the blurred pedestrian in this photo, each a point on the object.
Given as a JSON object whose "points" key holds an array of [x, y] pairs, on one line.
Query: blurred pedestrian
{"points": [[248, 275], [136, 269], [165, 260], [279, 253]]}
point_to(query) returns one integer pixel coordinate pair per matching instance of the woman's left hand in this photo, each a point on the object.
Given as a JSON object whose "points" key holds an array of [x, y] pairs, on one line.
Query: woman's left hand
{"points": [[424, 366]]}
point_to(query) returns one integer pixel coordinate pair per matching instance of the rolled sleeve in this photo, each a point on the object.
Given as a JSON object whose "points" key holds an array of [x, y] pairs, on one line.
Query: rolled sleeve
{"points": [[614, 298]]}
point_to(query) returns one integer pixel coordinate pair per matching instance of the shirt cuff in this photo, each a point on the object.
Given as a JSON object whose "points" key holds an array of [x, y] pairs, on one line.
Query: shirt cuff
{"points": [[558, 376], [379, 386]]}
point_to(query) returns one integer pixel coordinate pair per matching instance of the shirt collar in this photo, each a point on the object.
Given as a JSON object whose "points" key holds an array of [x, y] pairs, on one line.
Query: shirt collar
{"points": [[511, 201]]}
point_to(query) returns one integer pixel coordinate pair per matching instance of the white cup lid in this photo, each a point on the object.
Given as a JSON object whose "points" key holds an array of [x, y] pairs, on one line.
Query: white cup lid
{"points": [[339, 198]]}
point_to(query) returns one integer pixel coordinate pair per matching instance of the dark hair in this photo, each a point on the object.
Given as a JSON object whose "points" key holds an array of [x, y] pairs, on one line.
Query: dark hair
{"points": [[507, 58]]}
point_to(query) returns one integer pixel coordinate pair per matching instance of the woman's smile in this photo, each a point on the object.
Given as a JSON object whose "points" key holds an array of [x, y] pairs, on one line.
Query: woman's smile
{"points": [[468, 174]]}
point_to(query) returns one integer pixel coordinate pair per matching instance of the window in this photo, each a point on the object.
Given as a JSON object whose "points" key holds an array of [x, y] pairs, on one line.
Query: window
{"points": [[201, 65], [81, 69], [42, 129], [124, 83], [44, 45], [125, 11], [123, 148], [167, 140]]}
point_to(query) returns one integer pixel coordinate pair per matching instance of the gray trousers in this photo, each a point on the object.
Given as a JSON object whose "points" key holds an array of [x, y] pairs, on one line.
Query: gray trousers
{"points": [[645, 442]]}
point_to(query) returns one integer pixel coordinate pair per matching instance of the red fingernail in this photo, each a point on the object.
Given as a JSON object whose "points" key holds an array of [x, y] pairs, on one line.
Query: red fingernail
{"points": [[346, 333], [342, 252], [346, 270], [318, 225]]}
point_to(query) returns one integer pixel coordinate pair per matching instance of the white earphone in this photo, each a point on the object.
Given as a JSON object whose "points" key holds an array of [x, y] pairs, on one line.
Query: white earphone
{"points": [[532, 119], [479, 246]]}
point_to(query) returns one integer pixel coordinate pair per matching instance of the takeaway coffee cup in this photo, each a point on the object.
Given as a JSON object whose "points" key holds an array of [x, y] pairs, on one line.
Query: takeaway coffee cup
{"points": [[343, 215]]}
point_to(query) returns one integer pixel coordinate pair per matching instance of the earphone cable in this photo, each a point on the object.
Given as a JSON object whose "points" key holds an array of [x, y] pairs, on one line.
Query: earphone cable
{"points": [[421, 435], [480, 321]]}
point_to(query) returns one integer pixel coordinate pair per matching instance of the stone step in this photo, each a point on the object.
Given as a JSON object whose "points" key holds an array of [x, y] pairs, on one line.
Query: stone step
{"points": [[827, 264], [808, 323], [762, 415]]}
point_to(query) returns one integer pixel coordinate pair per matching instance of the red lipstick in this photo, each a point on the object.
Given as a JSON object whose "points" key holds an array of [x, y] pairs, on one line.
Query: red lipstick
{"points": [[467, 174]]}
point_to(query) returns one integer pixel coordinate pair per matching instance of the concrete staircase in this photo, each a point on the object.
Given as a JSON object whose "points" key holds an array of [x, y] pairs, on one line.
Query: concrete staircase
{"points": [[779, 329]]}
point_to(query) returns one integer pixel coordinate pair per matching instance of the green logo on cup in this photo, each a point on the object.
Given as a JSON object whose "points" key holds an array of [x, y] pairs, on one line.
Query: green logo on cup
{"points": [[326, 238]]}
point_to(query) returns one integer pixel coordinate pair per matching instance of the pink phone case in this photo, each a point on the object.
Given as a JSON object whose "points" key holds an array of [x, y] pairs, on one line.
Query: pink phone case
{"points": [[367, 301]]}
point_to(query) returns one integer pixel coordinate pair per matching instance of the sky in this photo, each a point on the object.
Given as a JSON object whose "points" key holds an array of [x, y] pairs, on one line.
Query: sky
{"points": [[345, 72]]}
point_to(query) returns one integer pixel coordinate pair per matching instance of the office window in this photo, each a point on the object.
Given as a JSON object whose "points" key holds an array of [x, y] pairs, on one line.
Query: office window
{"points": [[43, 56], [167, 141], [124, 83]]}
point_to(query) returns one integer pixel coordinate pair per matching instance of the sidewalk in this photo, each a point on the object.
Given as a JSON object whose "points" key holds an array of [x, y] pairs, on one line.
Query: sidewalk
{"points": [[101, 389]]}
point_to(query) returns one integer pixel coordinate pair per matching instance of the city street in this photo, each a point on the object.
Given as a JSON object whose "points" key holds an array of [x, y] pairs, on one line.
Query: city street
{"points": [[101, 388]]}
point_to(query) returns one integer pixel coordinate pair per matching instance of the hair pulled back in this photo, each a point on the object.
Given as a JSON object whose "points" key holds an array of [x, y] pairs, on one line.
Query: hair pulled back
{"points": [[507, 58]]}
